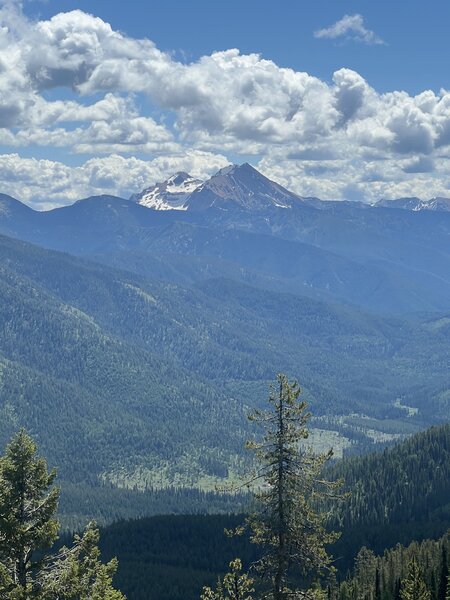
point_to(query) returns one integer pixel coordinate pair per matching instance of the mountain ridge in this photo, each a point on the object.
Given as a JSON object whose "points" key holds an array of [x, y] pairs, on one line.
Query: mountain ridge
{"points": [[373, 257], [234, 186], [245, 187], [439, 204], [239, 186]]}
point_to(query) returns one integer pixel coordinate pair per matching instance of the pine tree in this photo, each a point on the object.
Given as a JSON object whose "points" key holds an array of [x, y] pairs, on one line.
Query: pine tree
{"points": [[235, 585], [444, 574], [27, 507], [346, 590], [365, 573], [28, 503], [413, 586], [288, 488], [77, 572]]}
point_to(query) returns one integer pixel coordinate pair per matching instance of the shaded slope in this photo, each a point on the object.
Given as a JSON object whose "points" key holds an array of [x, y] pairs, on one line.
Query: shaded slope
{"points": [[389, 261]]}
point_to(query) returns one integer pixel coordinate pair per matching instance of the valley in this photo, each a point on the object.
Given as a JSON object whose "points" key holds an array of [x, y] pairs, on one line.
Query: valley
{"points": [[148, 335]]}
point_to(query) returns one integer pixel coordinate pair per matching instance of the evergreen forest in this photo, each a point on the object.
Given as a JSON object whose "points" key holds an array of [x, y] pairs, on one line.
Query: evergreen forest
{"points": [[392, 512]]}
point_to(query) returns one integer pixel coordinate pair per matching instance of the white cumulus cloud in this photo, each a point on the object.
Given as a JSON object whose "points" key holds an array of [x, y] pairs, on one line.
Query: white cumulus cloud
{"points": [[350, 27], [45, 184], [123, 98]]}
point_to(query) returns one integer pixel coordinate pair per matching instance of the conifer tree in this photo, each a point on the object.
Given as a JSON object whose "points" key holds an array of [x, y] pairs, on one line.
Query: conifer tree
{"points": [[442, 590], [413, 586], [377, 584], [28, 529], [288, 489], [27, 507], [236, 585], [77, 572], [365, 573]]}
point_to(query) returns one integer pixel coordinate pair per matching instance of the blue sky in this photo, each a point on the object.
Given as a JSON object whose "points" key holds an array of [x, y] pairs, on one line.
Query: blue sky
{"points": [[337, 99], [414, 58]]}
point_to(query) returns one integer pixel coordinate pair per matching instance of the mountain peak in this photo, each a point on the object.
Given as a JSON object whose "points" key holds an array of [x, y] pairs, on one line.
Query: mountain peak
{"points": [[10, 206], [234, 169], [233, 186], [243, 187], [178, 178]]}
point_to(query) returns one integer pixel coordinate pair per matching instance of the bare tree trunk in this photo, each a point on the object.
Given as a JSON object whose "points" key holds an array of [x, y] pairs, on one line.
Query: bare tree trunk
{"points": [[21, 564], [280, 574]]}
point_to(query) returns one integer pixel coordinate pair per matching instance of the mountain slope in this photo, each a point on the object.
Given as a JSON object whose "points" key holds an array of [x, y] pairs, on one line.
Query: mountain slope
{"points": [[228, 322], [77, 384], [156, 548], [383, 260], [156, 379], [16, 218], [396, 496]]}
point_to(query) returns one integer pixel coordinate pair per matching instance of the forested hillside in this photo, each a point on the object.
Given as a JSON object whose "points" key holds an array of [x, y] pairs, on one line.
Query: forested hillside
{"points": [[395, 496], [173, 556], [156, 379], [383, 260], [384, 576], [400, 484]]}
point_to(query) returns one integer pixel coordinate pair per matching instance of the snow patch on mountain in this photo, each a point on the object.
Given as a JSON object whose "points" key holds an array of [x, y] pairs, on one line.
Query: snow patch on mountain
{"points": [[170, 194], [416, 204]]}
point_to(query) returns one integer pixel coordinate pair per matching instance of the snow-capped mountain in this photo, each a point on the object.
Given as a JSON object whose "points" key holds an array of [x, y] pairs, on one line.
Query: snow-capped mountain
{"points": [[416, 204], [243, 187], [235, 186], [170, 194]]}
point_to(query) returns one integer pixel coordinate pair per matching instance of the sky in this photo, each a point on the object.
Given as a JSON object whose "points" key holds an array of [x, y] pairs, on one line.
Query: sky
{"points": [[333, 98]]}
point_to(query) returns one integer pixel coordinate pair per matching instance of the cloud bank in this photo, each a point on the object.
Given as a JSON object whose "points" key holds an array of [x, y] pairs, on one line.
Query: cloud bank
{"points": [[133, 114]]}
